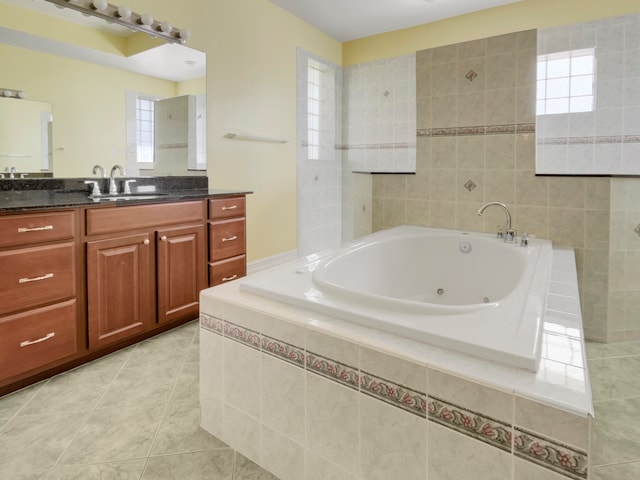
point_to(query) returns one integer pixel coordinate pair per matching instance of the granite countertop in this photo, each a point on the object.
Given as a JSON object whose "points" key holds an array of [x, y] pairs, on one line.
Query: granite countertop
{"points": [[60, 196]]}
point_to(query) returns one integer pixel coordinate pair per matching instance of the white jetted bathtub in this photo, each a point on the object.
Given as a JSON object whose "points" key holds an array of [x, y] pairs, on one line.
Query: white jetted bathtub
{"points": [[468, 292]]}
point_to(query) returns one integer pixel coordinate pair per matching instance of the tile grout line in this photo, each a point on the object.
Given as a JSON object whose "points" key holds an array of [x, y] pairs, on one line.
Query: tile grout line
{"points": [[89, 414], [164, 413]]}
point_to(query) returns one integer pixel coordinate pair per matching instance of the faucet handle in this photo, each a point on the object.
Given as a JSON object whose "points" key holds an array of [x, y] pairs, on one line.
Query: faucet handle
{"points": [[127, 186], [510, 236], [95, 189], [499, 233]]}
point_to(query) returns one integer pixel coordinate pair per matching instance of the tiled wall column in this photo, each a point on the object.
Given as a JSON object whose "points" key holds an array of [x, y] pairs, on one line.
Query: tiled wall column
{"points": [[476, 143]]}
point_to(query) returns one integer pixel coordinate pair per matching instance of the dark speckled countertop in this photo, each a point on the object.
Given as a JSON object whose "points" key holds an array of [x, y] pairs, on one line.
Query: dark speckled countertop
{"points": [[69, 193]]}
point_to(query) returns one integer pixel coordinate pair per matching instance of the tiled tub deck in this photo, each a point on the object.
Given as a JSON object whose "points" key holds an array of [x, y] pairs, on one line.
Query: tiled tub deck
{"points": [[311, 397]]}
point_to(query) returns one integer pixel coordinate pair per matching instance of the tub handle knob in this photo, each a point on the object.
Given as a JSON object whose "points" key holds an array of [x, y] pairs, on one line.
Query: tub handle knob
{"points": [[524, 241]]}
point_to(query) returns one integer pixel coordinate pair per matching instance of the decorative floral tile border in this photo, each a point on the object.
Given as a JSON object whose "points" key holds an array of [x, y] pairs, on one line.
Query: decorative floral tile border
{"points": [[477, 130], [550, 454], [377, 146], [394, 394], [468, 422], [560, 458], [601, 140]]}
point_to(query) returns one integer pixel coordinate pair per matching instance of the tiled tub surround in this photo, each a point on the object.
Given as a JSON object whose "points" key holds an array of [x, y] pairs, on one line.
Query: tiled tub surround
{"points": [[602, 137], [481, 131], [311, 397], [380, 115]]}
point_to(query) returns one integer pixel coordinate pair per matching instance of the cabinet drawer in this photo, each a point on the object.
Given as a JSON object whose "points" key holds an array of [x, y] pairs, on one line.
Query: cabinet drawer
{"points": [[226, 207], [226, 239], [36, 228], [124, 219], [227, 270], [35, 338], [36, 275]]}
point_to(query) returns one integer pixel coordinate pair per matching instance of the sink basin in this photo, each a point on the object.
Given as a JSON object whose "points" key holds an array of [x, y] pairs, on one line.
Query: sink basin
{"points": [[128, 196]]}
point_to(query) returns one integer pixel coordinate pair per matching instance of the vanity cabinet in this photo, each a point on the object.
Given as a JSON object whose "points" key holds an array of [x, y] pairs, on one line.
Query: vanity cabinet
{"points": [[38, 288], [119, 288], [227, 239], [148, 265]]}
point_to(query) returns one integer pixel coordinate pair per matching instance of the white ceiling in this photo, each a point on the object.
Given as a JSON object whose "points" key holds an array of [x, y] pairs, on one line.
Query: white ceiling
{"points": [[347, 20], [169, 61]]}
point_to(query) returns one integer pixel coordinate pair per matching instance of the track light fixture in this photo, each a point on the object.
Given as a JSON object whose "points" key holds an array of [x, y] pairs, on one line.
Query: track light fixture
{"points": [[122, 15]]}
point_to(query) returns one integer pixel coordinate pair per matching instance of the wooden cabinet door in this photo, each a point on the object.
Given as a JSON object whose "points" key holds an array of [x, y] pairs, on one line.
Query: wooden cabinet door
{"points": [[119, 288], [181, 271]]}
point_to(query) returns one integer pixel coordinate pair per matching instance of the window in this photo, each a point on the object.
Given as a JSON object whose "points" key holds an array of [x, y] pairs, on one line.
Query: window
{"points": [[320, 108], [145, 129], [565, 82]]}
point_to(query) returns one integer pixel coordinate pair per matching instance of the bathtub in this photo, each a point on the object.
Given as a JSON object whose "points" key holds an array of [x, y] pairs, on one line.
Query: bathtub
{"points": [[463, 291]]}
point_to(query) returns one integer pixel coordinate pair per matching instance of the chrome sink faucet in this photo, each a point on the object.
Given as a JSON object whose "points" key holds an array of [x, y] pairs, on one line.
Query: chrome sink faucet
{"points": [[510, 234], [113, 186]]}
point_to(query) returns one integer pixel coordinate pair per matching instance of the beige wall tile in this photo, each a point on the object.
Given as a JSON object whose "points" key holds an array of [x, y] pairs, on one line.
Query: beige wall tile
{"points": [[443, 214], [395, 369], [476, 84], [471, 108], [332, 422], [395, 186], [598, 193], [501, 70], [525, 470], [500, 184], [500, 151], [333, 348], [318, 468], [491, 402], [453, 456], [532, 220], [567, 192], [531, 190], [394, 442], [394, 212], [502, 43], [525, 151], [476, 194], [552, 422], [443, 184], [242, 432], [418, 186], [242, 377], [281, 456], [419, 212], [466, 217], [444, 54], [444, 79], [444, 111], [474, 48], [443, 152], [501, 107], [470, 151], [282, 397], [566, 226]]}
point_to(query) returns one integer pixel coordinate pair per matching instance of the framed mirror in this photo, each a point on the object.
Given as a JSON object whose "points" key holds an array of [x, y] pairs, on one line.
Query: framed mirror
{"points": [[93, 74]]}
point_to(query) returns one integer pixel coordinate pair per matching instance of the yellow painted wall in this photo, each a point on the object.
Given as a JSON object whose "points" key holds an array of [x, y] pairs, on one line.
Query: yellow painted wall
{"points": [[523, 15], [251, 89]]}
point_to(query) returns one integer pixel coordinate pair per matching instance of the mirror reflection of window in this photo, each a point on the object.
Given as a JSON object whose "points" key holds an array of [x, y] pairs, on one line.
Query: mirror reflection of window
{"points": [[145, 131], [566, 82]]}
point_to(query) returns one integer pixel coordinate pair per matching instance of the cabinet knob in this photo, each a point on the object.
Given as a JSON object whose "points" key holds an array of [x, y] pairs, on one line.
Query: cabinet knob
{"points": [[146, 241], [163, 238]]}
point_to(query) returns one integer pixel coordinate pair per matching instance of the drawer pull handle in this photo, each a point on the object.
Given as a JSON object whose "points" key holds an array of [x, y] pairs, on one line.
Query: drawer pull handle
{"points": [[163, 238], [231, 207], [146, 241], [228, 279], [35, 229], [43, 339], [229, 239], [35, 279]]}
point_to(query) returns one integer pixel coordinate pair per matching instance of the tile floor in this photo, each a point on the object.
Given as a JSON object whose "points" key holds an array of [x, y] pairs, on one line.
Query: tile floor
{"points": [[134, 415]]}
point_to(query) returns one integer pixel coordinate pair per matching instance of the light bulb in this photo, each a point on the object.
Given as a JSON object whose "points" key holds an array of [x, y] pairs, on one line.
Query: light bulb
{"points": [[124, 11], [146, 19], [166, 27], [100, 5], [184, 34], [21, 95], [7, 93]]}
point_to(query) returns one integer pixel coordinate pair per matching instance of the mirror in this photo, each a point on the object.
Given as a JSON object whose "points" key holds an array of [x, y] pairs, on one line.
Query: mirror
{"points": [[25, 137], [77, 65]]}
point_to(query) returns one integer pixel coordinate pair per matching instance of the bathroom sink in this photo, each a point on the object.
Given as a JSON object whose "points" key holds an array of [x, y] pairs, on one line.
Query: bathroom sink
{"points": [[128, 196]]}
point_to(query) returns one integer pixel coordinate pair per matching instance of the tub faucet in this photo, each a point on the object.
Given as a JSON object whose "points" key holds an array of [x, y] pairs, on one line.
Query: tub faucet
{"points": [[113, 186], [510, 234]]}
